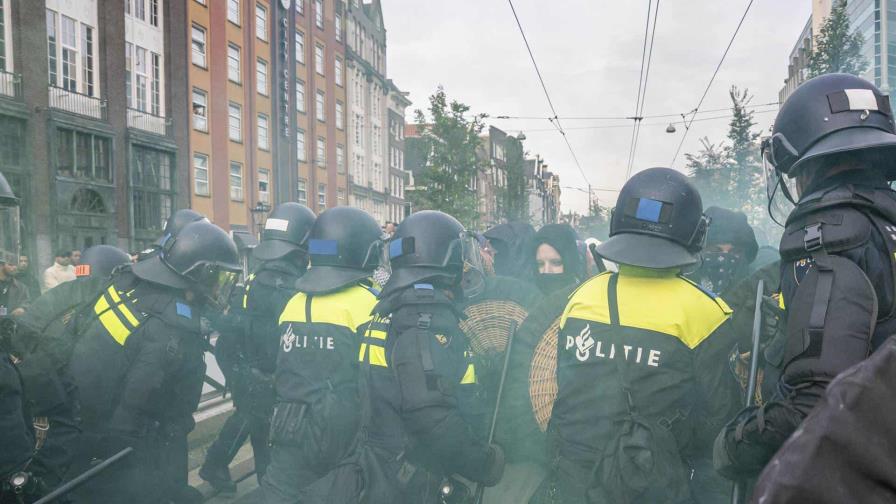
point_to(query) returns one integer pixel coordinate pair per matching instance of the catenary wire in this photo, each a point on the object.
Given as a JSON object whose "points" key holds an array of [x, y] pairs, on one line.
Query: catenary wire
{"points": [[638, 117]]}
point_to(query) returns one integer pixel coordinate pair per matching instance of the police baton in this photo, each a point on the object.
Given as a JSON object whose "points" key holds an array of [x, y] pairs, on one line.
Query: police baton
{"points": [[90, 473], [739, 492], [480, 490]]}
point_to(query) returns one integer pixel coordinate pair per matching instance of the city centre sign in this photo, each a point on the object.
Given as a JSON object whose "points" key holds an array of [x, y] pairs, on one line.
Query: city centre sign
{"points": [[283, 59]]}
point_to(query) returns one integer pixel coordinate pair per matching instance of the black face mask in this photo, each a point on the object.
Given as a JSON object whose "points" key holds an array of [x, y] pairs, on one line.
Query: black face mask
{"points": [[719, 271], [548, 282]]}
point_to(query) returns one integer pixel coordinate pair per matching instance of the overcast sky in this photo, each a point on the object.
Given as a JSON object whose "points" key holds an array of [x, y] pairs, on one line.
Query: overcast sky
{"points": [[589, 52]]}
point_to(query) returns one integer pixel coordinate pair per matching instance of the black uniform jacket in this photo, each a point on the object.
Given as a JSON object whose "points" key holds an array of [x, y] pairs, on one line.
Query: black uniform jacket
{"points": [[138, 363], [671, 341]]}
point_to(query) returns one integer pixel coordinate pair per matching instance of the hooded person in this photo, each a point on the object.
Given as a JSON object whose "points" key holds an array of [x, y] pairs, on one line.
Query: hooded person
{"points": [[730, 249], [510, 242], [557, 259]]}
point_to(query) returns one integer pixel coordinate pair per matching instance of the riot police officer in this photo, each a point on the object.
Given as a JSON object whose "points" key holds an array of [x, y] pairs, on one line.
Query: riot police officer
{"points": [[830, 153], [641, 360], [247, 350], [315, 419], [417, 432], [44, 346], [138, 365]]}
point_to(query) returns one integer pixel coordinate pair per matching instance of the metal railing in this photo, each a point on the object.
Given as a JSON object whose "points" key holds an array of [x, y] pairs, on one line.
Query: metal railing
{"points": [[149, 122], [10, 85], [77, 103]]}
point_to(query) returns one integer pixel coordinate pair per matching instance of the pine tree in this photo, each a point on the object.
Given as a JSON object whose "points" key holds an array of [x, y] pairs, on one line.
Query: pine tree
{"points": [[708, 170], [835, 49], [449, 143], [743, 163]]}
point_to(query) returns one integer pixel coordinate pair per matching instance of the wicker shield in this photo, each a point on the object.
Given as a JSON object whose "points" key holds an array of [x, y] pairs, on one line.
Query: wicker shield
{"points": [[504, 303], [531, 385]]}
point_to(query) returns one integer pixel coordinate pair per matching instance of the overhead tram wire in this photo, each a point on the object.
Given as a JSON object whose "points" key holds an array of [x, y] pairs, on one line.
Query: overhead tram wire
{"points": [[634, 118], [713, 78], [640, 115], [618, 126], [555, 120], [620, 118]]}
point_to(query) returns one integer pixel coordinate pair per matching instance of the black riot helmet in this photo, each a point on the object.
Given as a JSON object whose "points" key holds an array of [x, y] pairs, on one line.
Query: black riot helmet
{"points": [[658, 222], [345, 246], [432, 245], [286, 230], [178, 220], [100, 261], [9, 223], [200, 257]]}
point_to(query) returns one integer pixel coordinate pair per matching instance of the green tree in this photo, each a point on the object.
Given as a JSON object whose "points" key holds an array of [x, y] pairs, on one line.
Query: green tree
{"points": [[744, 165], [834, 48], [708, 169], [513, 201], [449, 141]]}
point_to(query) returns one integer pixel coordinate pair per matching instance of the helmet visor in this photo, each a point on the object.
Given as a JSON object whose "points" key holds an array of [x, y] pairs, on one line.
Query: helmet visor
{"points": [[472, 279], [215, 284], [780, 189], [9, 234]]}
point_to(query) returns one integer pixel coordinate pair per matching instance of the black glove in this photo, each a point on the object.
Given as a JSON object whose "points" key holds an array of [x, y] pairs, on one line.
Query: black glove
{"points": [[494, 467], [772, 317]]}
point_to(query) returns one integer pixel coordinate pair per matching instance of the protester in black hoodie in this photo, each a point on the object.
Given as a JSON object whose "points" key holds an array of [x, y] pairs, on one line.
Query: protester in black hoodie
{"points": [[556, 260]]}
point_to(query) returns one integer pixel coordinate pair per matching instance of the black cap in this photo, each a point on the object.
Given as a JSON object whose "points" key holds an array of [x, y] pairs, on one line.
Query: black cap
{"points": [[286, 230], [832, 113], [344, 247], [658, 222]]}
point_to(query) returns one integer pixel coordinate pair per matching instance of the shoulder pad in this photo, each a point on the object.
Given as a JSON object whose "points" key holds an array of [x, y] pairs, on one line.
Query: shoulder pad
{"points": [[833, 228]]}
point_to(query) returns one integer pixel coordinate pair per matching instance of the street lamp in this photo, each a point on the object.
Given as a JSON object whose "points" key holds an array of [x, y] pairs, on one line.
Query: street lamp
{"points": [[259, 216]]}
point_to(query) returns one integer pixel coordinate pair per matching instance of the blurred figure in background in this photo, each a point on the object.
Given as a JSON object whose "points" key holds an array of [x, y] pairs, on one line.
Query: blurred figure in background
{"points": [[61, 271], [510, 242], [25, 275], [557, 261]]}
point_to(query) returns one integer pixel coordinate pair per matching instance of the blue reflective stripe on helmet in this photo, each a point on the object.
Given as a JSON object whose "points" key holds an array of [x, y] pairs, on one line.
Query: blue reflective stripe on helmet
{"points": [[395, 248], [649, 210], [323, 247], [424, 286]]}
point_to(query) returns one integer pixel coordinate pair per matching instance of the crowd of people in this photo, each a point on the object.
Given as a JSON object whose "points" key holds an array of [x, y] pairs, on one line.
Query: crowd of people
{"points": [[354, 382]]}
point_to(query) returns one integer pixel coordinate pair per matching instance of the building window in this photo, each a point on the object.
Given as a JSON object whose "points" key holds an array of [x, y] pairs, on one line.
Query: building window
{"points": [[321, 196], [198, 45], [300, 47], [233, 62], [152, 185], [200, 174], [300, 145], [69, 53], [200, 110], [263, 142], [200, 2], [154, 12], [87, 58], [319, 13], [300, 95], [340, 196], [320, 102], [261, 22], [155, 89], [300, 7], [340, 158], [83, 156], [264, 189], [338, 72], [233, 11], [140, 77], [337, 22], [236, 181], [340, 118], [235, 114], [321, 152], [302, 197], [319, 58], [140, 9], [261, 76]]}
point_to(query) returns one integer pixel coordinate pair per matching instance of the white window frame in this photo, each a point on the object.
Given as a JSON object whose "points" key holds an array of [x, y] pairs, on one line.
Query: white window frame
{"points": [[338, 73], [197, 169], [319, 59], [264, 128], [301, 148], [261, 76], [340, 115], [300, 47], [321, 196], [230, 61], [200, 121], [235, 122], [203, 54], [261, 22], [320, 105], [302, 192], [319, 13], [337, 23], [233, 11], [321, 152], [264, 177], [236, 191], [300, 95], [340, 158]]}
